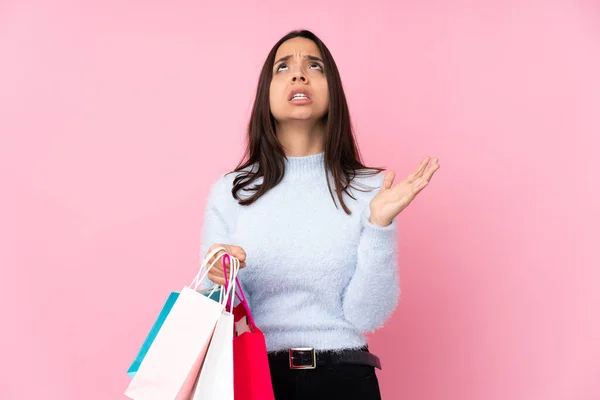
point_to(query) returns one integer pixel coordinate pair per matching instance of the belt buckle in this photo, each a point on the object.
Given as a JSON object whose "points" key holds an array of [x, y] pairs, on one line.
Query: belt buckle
{"points": [[313, 365]]}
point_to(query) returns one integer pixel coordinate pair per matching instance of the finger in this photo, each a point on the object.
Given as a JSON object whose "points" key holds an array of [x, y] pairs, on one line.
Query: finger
{"points": [[217, 271], [219, 259], [419, 171], [217, 263], [388, 180], [213, 247], [227, 262], [241, 265], [214, 276], [434, 166], [418, 185], [237, 252]]}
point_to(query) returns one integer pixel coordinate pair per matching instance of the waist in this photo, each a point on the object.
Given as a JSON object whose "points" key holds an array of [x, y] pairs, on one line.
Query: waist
{"points": [[309, 358], [319, 338]]}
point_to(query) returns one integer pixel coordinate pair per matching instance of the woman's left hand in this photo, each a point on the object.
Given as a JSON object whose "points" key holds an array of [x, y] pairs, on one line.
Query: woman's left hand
{"points": [[390, 201]]}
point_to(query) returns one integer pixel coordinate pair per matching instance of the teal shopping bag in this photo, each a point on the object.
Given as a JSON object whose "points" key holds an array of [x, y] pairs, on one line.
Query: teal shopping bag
{"points": [[153, 332], [157, 325]]}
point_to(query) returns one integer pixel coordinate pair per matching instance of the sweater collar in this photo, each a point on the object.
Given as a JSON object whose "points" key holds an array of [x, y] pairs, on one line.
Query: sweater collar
{"points": [[311, 166]]}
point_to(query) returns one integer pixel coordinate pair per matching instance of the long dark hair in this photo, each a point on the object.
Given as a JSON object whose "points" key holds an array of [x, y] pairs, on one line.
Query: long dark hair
{"points": [[264, 153]]}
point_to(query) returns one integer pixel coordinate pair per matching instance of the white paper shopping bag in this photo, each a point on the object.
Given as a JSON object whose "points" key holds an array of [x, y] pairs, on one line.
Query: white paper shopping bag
{"points": [[172, 364], [215, 381], [216, 377]]}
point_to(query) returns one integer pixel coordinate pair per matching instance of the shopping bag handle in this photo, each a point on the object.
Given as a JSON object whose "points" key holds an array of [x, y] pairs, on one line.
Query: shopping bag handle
{"points": [[244, 302], [204, 270], [239, 293], [233, 270]]}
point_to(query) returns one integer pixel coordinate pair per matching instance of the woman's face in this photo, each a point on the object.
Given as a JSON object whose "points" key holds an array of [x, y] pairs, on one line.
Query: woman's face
{"points": [[299, 87]]}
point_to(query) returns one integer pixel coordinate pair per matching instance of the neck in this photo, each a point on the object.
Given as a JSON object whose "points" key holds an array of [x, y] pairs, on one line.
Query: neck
{"points": [[300, 138]]}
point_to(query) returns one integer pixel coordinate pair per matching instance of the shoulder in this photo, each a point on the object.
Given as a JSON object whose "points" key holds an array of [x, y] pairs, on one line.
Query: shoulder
{"points": [[222, 186]]}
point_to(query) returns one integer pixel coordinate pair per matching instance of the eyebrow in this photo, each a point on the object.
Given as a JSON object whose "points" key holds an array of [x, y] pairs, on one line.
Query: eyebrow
{"points": [[308, 57]]}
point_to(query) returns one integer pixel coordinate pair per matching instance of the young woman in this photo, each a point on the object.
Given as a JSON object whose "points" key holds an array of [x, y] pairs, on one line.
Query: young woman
{"points": [[314, 228]]}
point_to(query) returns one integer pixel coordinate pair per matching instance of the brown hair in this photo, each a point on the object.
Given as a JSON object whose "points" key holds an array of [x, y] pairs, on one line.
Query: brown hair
{"points": [[264, 151]]}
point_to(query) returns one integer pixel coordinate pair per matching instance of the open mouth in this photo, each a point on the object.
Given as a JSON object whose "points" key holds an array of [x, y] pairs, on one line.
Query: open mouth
{"points": [[299, 96]]}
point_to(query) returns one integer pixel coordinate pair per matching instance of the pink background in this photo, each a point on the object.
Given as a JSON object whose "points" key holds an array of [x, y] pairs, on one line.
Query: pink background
{"points": [[116, 117]]}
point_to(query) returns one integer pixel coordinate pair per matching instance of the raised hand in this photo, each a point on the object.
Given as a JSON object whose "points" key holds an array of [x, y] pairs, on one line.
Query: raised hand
{"points": [[391, 200]]}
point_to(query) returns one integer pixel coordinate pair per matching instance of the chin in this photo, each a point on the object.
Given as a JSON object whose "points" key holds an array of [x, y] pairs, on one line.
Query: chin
{"points": [[299, 114], [306, 114], [302, 116]]}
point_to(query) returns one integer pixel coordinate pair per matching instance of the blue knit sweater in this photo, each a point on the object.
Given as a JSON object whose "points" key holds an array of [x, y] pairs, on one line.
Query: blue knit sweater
{"points": [[315, 276]]}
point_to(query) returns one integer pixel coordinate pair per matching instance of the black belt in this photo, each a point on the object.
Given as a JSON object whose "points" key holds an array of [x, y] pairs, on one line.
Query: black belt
{"points": [[309, 358]]}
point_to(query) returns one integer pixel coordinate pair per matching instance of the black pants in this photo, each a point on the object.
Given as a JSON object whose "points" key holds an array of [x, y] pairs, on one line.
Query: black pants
{"points": [[331, 382]]}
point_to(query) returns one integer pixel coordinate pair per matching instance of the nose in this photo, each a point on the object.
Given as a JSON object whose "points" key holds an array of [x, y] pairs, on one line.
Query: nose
{"points": [[299, 76]]}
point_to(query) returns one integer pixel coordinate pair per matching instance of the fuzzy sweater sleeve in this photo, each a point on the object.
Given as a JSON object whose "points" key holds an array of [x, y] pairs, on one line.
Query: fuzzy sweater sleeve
{"points": [[373, 292], [215, 228]]}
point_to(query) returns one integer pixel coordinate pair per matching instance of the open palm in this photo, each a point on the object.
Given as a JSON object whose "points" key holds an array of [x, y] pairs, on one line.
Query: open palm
{"points": [[391, 200]]}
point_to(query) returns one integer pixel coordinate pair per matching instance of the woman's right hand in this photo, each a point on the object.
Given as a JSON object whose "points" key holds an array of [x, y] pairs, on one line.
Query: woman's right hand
{"points": [[216, 272]]}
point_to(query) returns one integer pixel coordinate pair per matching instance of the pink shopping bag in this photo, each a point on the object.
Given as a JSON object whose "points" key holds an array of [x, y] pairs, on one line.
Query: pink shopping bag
{"points": [[251, 372]]}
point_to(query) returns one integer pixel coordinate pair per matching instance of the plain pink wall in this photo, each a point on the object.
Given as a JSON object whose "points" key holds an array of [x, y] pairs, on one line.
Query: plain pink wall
{"points": [[116, 116]]}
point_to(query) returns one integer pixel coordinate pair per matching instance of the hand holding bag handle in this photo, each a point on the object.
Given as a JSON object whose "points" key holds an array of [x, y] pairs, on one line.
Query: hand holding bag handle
{"points": [[204, 270], [174, 360], [239, 293], [234, 266]]}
